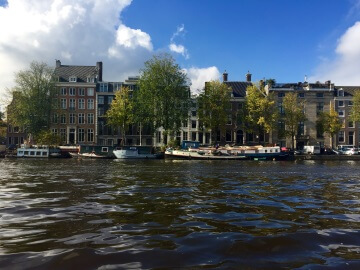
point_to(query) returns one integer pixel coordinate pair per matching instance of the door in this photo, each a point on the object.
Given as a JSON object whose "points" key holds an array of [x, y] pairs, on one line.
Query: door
{"points": [[72, 136]]}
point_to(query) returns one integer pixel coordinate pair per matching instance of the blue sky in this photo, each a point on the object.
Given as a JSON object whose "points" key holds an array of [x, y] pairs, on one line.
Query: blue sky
{"points": [[280, 39]]}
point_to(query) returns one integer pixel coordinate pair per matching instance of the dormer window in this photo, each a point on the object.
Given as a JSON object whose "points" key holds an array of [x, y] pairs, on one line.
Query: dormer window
{"points": [[90, 79], [73, 79], [340, 93]]}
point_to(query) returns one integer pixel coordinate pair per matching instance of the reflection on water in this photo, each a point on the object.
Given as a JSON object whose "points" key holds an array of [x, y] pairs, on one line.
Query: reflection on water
{"points": [[112, 214]]}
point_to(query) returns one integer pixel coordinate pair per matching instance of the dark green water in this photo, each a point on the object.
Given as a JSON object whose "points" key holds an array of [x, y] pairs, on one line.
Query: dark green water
{"points": [[160, 214]]}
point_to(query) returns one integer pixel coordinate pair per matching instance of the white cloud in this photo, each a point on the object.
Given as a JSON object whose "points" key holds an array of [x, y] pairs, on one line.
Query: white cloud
{"points": [[78, 32], [198, 77], [178, 48], [345, 68]]}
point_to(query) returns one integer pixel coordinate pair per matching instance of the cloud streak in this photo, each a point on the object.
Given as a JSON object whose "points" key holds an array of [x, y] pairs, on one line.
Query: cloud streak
{"points": [[179, 48]]}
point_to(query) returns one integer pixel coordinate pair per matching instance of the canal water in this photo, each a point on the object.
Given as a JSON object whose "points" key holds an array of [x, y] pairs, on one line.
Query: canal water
{"points": [[161, 214]]}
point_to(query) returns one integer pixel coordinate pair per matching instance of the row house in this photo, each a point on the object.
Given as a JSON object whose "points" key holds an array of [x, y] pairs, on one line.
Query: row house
{"points": [[350, 132], [136, 134], [74, 120], [318, 97]]}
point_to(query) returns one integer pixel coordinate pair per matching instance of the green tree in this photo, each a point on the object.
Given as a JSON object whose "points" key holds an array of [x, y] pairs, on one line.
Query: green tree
{"points": [[121, 112], [163, 98], [34, 99], [330, 123], [355, 110], [294, 114], [46, 137], [214, 107], [261, 113], [2, 128]]}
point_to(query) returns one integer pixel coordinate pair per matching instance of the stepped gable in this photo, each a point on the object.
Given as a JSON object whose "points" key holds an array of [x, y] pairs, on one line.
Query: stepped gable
{"points": [[239, 88]]}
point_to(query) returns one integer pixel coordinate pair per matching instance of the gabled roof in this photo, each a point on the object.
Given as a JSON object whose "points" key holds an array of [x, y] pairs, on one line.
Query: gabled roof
{"points": [[239, 88], [64, 72]]}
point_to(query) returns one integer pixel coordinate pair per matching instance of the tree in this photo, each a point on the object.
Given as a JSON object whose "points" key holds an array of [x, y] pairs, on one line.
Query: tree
{"points": [[164, 95], [34, 99], [260, 111], [294, 114], [121, 113], [330, 123], [355, 110], [213, 106]]}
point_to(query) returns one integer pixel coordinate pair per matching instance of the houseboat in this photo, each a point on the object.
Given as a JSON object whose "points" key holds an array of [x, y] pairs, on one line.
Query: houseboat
{"points": [[94, 151], [33, 151], [135, 152]]}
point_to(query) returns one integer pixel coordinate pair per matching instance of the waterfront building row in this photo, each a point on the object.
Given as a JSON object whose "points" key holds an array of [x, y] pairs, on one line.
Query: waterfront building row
{"points": [[84, 99]]}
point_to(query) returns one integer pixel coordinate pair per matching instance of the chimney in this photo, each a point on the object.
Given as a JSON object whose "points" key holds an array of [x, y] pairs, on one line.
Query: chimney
{"points": [[99, 67], [58, 63], [248, 77], [225, 76]]}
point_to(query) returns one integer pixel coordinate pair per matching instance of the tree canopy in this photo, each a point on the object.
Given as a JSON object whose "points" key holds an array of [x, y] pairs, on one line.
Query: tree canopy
{"points": [[33, 98], [214, 106], [260, 110], [163, 98], [294, 114], [330, 123], [121, 112]]}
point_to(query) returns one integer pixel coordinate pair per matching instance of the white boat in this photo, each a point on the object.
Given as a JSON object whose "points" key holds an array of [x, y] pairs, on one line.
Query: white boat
{"points": [[206, 154], [133, 153], [34, 151]]}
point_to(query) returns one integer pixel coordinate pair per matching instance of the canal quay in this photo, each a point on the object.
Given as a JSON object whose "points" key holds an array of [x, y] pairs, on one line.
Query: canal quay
{"points": [[183, 214]]}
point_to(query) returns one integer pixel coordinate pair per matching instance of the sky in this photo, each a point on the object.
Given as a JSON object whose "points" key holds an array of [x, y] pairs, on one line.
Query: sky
{"points": [[281, 39]]}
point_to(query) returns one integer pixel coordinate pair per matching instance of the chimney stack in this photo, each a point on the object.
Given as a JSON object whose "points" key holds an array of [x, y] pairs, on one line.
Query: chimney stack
{"points": [[225, 76], [248, 77], [58, 63], [99, 67]]}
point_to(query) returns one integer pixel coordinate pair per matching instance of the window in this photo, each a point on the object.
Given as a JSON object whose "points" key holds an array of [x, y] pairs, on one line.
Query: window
{"points": [[90, 79], [319, 108], [350, 124], [81, 103], [55, 118], [63, 119], [54, 131], [228, 136], [110, 99], [63, 91], [341, 113], [193, 113], [90, 92], [101, 111], [350, 103], [281, 94], [81, 91], [63, 103], [90, 135], [340, 103], [229, 120], [301, 95], [100, 99], [104, 149], [158, 136], [90, 118], [16, 129], [72, 79], [193, 136], [185, 124], [90, 104], [281, 109], [300, 129], [319, 95], [340, 93], [351, 137], [72, 118], [72, 103], [341, 136], [81, 119], [185, 136], [103, 87], [193, 124], [63, 134], [72, 91], [81, 135]]}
